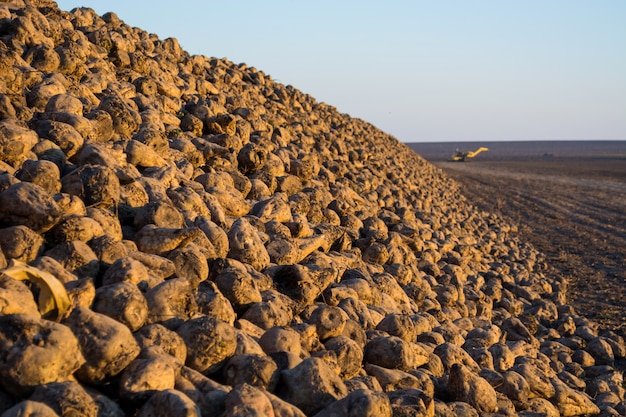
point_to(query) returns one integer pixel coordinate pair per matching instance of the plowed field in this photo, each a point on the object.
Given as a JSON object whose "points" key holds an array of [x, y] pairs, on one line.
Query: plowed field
{"points": [[569, 202]]}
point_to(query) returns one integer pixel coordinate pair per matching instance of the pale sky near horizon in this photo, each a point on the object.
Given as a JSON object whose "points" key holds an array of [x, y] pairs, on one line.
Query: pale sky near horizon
{"points": [[423, 71]]}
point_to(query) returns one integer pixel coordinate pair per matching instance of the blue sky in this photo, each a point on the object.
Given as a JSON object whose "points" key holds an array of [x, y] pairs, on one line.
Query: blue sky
{"points": [[445, 70]]}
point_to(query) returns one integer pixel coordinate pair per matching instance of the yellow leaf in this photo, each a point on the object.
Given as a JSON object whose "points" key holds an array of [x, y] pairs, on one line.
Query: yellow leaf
{"points": [[53, 299]]}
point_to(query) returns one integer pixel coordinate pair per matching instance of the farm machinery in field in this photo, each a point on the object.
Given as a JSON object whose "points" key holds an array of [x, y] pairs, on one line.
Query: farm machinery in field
{"points": [[464, 156]]}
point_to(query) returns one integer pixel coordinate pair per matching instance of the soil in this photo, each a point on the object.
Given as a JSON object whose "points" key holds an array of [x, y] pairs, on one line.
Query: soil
{"points": [[568, 200]]}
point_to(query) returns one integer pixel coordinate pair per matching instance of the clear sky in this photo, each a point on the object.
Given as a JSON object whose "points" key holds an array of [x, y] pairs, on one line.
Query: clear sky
{"points": [[422, 70]]}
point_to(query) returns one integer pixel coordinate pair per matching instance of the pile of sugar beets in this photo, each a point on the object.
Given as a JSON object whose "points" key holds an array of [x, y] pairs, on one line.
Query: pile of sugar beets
{"points": [[184, 236]]}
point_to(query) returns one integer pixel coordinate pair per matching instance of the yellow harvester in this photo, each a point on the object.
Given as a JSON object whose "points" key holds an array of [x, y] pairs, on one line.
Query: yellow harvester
{"points": [[463, 156]]}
